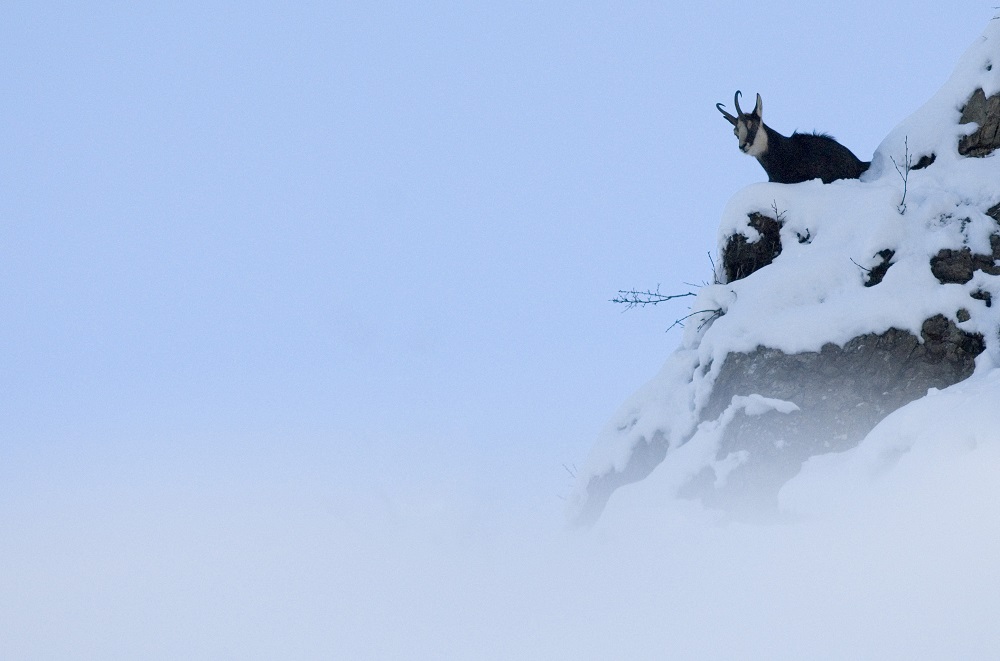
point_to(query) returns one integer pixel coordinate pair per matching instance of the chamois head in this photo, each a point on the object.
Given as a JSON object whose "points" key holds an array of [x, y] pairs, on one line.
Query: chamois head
{"points": [[747, 127]]}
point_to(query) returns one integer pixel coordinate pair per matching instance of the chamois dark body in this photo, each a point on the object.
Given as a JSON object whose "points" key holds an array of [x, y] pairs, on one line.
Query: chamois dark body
{"points": [[792, 159], [805, 156]]}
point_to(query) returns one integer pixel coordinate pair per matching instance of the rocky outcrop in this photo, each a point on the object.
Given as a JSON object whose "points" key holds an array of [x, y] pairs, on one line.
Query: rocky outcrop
{"points": [[958, 266], [841, 394], [986, 113], [841, 391], [646, 455], [741, 256]]}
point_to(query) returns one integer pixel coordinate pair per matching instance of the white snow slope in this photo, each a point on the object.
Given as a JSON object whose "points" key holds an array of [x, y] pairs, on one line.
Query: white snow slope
{"points": [[813, 293]]}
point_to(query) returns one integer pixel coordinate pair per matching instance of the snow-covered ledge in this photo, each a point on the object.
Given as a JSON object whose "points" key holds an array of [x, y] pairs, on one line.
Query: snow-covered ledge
{"points": [[848, 300]]}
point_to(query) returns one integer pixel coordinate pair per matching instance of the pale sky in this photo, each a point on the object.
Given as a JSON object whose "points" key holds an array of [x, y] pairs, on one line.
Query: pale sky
{"points": [[372, 244]]}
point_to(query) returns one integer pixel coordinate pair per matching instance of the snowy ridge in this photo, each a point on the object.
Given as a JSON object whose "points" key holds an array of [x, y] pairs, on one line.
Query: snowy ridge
{"points": [[814, 292]]}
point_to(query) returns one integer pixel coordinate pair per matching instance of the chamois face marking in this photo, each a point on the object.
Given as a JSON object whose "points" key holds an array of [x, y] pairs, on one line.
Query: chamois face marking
{"points": [[753, 140], [747, 127]]}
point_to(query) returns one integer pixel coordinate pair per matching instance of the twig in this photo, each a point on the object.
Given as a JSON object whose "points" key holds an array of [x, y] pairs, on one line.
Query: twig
{"points": [[633, 298], [716, 313], [715, 274], [904, 172], [777, 214], [861, 267]]}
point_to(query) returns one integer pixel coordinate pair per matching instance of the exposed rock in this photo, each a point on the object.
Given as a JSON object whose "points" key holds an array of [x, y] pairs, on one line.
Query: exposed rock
{"points": [[646, 455], [958, 266], [877, 272], [986, 113], [924, 161], [841, 392], [994, 213], [740, 257]]}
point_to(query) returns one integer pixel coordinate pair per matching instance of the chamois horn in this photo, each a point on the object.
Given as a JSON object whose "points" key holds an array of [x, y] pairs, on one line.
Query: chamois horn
{"points": [[732, 120]]}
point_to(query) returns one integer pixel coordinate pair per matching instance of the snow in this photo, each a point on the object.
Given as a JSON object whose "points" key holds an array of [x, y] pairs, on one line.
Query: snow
{"points": [[944, 442], [814, 293]]}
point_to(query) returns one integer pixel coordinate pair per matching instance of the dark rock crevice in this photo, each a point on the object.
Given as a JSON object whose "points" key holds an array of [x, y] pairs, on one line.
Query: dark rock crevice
{"points": [[877, 272], [924, 161], [740, 257]]}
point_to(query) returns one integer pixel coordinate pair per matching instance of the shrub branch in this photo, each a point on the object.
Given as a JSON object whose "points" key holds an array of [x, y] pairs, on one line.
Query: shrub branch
{"points": [[904, 172], [633, 298]]}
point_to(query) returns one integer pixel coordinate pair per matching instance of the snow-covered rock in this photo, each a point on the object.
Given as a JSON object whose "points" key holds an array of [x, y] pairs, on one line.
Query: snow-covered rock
{"points": [[837, 305]]}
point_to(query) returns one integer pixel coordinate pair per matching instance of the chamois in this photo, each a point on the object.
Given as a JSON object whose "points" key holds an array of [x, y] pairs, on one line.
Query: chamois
{"points": [[800, 157]]}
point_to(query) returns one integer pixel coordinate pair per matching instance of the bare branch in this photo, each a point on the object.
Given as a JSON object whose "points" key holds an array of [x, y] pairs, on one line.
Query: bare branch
{"points": [[716, 313], [904, 172], [778, 215], [715, 273], [868, 271], [633, 298]]}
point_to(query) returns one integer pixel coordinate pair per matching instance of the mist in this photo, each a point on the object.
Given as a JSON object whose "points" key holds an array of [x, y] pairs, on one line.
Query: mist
{"points": [[206, 560]]}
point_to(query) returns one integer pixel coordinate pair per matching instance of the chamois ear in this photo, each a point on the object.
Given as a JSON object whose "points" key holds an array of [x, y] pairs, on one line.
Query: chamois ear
{"points": [[758, 110], [730, 118]]}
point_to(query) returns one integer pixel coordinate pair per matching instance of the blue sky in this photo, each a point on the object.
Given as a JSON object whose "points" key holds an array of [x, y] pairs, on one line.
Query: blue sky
{"points": [[371, 245]]}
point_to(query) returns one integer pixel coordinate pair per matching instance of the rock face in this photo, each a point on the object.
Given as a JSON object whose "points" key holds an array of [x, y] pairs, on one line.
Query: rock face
{"points": [[841, 392], [958, 266], [986, 113]]}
